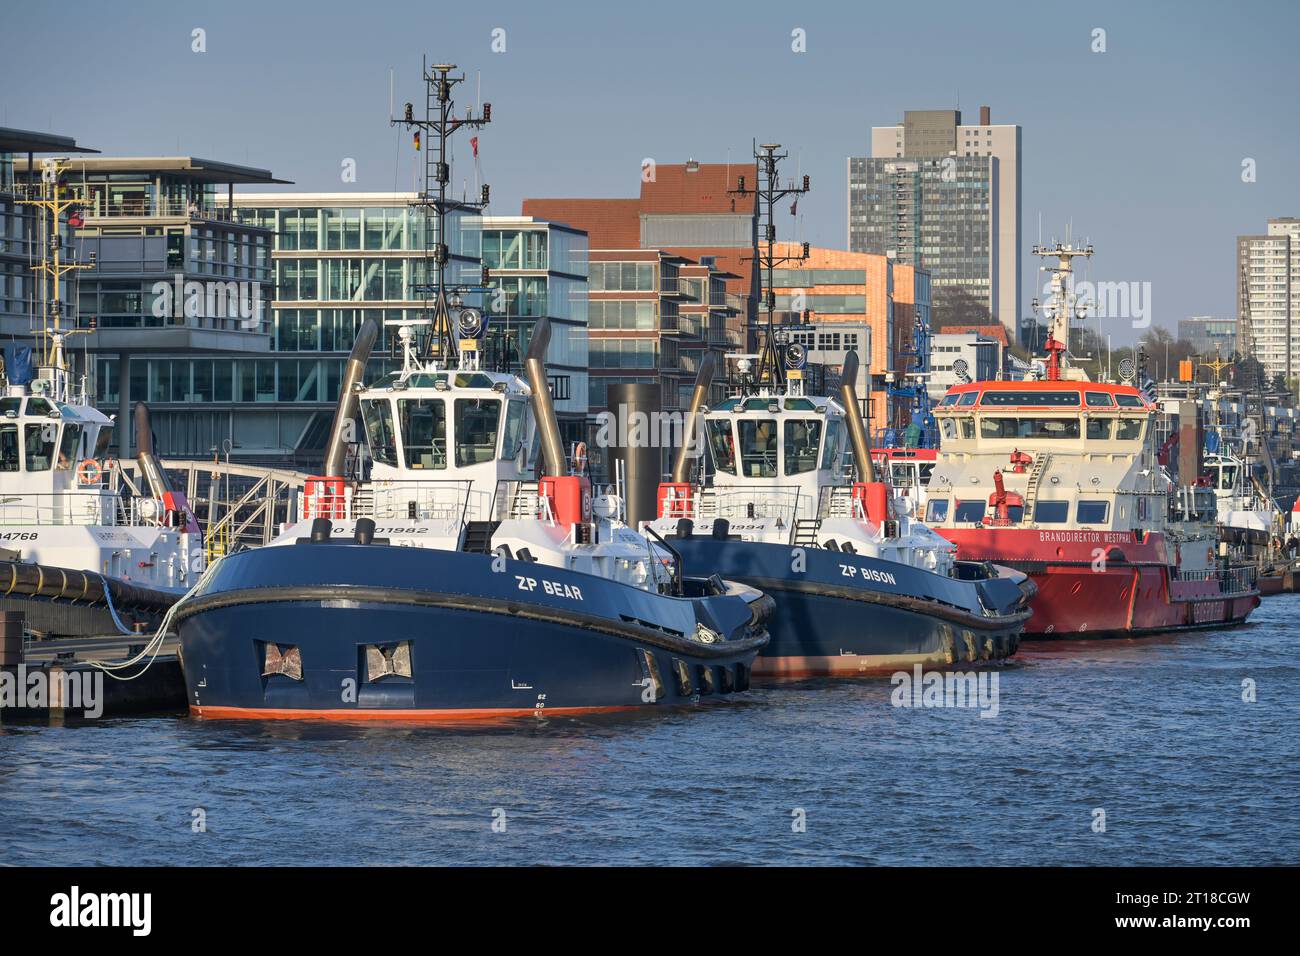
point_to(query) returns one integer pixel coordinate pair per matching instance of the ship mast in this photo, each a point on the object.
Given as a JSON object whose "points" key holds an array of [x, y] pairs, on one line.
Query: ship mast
{"points": [[1062, 303], [440, 344], [54, 203], [768, 191]]}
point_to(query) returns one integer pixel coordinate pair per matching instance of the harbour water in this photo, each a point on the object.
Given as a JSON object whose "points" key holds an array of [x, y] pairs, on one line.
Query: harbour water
{"points": [[1154, 732]]}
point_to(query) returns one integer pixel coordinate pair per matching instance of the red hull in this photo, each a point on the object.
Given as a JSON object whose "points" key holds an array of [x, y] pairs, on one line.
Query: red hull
{"points": [[1102, 583]]}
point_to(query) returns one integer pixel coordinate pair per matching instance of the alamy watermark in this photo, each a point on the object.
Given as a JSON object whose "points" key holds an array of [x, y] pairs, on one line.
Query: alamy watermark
{"points": [[637, 429], [41, 689], [209, 299], [1108, 300], [935, 689]]}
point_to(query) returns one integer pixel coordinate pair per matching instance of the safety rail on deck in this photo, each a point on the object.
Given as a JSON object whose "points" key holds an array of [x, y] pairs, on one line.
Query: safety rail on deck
{"points": [[392, 500], [70, 508], [735, 503], [521, 499], [837, 501], [1233, 580]]}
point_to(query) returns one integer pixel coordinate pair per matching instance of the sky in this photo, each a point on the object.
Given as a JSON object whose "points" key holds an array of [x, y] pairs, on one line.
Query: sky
{"points": [[1138, 149]]}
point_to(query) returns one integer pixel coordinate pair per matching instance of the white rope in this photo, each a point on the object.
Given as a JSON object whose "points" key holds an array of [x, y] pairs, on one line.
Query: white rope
{"points": [[152, 649]]}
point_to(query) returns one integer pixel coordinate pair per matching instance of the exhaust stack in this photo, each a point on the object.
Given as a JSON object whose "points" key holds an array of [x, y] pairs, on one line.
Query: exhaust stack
{"points": [[853, 417], [346, 409], [154, 476], [554, 462], [703, 378]]}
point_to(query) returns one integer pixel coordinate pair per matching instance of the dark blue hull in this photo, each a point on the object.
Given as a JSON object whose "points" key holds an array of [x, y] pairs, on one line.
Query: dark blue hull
{"points": [[353, 631], [843, 614]]}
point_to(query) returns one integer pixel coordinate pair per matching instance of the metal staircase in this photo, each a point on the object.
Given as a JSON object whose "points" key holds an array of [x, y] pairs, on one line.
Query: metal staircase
{"points": [[805, 532], [1035, 478], [478, 536]]}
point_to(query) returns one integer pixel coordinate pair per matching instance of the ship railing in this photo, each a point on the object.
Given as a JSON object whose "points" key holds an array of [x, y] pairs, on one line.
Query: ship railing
{"points": [[837, 501], [731, 503], [521, 500], [394, 500], [73, 508], [1231, 580]]}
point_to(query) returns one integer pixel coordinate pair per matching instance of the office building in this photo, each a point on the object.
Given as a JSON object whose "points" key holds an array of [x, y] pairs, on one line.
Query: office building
{"points": [[1209, 335], [981, 354], [1268, 296], [944, 196]]}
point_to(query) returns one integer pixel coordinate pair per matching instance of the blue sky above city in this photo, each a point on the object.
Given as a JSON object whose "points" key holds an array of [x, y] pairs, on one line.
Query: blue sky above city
{"points": [[1140, 148]]}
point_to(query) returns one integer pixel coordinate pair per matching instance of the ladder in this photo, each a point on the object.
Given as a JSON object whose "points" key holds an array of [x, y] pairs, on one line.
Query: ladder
{"points": [[1035, 478], [478, 536], [805, 532]]}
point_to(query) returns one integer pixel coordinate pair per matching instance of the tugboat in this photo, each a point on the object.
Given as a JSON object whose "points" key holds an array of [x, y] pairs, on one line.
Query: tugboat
{"points": [[1060, 477], [450, 584], [74, 528], [861, 585]]}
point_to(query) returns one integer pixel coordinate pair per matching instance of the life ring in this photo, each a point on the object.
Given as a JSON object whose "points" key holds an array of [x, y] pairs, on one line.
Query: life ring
{"points": [[580, 457], [89, 472]]}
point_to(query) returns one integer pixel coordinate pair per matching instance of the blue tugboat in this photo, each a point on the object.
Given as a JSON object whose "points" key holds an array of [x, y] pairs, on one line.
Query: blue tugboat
{"points": [[861, 585], [451, 583]]}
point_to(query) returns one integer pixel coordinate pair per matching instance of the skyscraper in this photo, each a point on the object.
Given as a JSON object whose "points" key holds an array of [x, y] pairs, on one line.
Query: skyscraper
{"points": [[945, 196], [1268, 296]]}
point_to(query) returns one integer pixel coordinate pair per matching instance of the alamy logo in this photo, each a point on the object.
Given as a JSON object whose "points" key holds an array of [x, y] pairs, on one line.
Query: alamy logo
{"points": [[951, 689], [74, 909], [39, 689], [209, 299], [639, 429]]}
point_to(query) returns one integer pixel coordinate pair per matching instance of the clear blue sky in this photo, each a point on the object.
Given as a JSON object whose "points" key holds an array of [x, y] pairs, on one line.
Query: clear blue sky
{"points": [[1140, 147]]}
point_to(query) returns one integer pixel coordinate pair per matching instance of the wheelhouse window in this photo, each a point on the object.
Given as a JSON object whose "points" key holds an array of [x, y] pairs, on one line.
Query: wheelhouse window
{"points": [[721, 445], [378, 419], [923, 471], [972, 511], [514, 434], [1098, 399], [954, 428], [936, 510], [424, 432], [8, 448], [996, 397], [969, 398], [1092, 512], [1128, 429], [476, 430], [834, 441], [39, 442], [69, 446], [1128, 401], [1098, 429], [1051, 512], [1023, 427], [803, 437], [758, 447]]}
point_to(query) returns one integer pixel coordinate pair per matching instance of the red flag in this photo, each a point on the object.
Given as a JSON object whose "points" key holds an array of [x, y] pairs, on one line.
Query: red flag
{"points": [[473, 142], [417, 140]]}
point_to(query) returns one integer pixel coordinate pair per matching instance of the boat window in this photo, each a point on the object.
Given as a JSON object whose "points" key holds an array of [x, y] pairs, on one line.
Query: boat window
{"points": [[758, 447], [967, 427], [950, 399], [901, 473], [1051, 512], [1029, 427], [514, 436], [1092, 512], [949, 427], [476, 430], [1099, 428], [799, 405], [8, 447], [39, 406], [834, 439], [970, 511], [424, 431], [937, 510], [758, 404], [378, 419], [803, 437], [721, 445], [1030, 398], [924, 470], [1099, 399], [1227, 476], [10, 406], [39, 442], [69, 446], [1128, 401], [1128, 429], [970, 398], [103, 441]]}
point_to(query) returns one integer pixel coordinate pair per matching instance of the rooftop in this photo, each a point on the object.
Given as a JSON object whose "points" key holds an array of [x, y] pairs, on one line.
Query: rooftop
{"points": [[27, 141], [201, 170]]}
